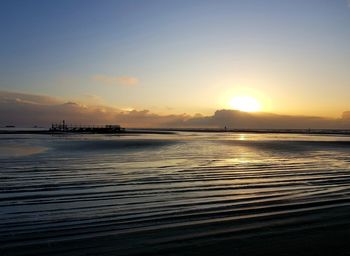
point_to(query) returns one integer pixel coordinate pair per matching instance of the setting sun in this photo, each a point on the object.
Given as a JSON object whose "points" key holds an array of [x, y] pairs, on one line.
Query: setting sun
{"points": [[245, 103]]}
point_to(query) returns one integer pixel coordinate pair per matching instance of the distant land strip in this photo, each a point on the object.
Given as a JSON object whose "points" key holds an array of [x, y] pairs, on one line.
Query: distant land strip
{"points": [[174, 130]]}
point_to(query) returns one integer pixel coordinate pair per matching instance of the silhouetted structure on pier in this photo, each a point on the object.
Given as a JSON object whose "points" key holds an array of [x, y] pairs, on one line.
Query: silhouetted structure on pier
{"points": [[63, 127]]}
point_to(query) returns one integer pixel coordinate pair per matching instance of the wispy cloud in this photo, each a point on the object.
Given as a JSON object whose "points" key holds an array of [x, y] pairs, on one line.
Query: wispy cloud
{"points": [[93, 99], [116, 80], [6, 96]]}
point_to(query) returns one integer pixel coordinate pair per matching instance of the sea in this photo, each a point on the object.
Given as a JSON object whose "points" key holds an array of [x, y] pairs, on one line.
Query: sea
{"points": [[186, 193]]}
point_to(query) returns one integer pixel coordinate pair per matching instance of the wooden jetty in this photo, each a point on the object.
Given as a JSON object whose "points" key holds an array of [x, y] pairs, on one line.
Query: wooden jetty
{"points": [[63, 127]]}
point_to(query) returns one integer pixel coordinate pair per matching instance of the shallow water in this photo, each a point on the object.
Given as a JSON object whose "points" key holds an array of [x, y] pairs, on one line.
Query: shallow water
{"points": [[181, 194]]}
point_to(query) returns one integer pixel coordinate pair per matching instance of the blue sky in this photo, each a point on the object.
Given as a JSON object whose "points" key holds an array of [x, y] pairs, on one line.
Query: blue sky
{"points": [[187, 56]]}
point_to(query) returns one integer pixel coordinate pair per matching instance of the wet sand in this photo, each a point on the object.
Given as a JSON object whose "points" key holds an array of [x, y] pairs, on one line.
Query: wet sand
{"points": [[176, 194]]}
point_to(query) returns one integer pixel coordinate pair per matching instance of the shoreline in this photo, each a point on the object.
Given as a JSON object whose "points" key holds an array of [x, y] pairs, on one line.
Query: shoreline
{"points": [[269, 131], [47, 132], [173, 131]]}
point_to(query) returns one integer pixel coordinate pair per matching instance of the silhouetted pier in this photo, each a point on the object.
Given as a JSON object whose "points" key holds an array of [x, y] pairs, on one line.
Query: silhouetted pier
{"points": [[63, 127]]}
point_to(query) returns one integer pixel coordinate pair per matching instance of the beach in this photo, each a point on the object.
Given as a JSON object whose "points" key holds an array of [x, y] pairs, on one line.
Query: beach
{"points": [[180, 193]]}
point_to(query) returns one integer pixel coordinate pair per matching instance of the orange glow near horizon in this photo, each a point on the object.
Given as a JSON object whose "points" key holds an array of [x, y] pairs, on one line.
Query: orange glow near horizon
{"points": [[245, 104]]}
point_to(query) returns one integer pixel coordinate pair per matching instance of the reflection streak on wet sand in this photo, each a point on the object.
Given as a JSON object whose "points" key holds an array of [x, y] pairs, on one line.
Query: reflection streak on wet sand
{"points": [[17, 150]]}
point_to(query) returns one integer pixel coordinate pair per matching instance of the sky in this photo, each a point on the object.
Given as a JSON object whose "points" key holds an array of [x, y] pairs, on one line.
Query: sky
{"points": [[180, 58]]}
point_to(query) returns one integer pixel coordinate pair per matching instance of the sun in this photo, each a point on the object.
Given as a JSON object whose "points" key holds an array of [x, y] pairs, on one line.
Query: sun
{"points": [[245, 103]]}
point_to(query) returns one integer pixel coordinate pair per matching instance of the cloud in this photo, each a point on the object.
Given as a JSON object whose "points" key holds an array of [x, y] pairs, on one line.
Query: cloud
{"points": [[348, 1], [44, 110], [116, 80], [92, 99], [27, 110], [346, 115], [243, 120], [27, 98]]}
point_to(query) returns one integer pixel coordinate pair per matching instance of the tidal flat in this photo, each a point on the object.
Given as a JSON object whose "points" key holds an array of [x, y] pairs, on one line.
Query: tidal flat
{"points": [[187, 193]]}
